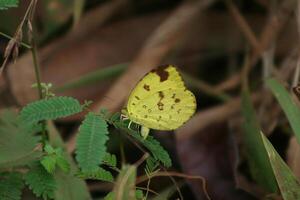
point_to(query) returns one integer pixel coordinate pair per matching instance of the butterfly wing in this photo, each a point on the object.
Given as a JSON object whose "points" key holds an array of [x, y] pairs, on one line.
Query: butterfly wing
{"points": [[161, 101]]}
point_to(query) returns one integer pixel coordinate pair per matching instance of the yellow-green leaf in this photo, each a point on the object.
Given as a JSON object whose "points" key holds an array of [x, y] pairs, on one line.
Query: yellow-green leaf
{"points": [[287, 182]]}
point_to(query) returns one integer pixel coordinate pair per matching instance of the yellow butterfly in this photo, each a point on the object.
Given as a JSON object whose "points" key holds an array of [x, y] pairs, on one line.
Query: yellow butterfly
{"points": [[160, 101]]}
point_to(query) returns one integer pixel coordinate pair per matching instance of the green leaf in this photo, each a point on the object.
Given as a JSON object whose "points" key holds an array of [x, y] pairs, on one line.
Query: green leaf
{"points": [[40, 181], [260, 165], [289, 107], [49, 149], [99, 174], [110, 160], [90, 144], [54, 157], [18, 144], [49, 163], [11, 185], [139, 194], [50, 109], [158, 152], [110, 196], [124, 188], [69, 187], [5, 4], [151, 165], [287, 182], [62, 163]]}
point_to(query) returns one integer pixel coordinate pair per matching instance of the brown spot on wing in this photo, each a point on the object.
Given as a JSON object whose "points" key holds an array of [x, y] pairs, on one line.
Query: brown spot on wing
{"points": [[161, 95], [137, 97], [161, 72], [177, 100], [147, 87], [160, 105]]}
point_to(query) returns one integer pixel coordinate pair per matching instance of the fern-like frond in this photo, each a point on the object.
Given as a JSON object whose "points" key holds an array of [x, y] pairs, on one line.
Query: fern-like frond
{"points": [[99, 174], [151, 165], [69, 187], [5, 4], [11, 185], [49, 163], [110, 160], [90, 143], [40, 181], [157, 151], [54, 158], [50, 109], [18, 144], [139, 194]]}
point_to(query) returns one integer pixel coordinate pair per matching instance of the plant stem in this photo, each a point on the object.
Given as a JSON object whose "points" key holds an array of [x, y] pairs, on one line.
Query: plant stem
{"points": [[36, 63], [38, 81], [21, 43], [36, 67]]}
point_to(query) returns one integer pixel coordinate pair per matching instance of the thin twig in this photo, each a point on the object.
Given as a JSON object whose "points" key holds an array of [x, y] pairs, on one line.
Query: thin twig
{"points": [[176, 174], [21, 43], [206, 88], [142, 159], [36, 67], [244, 26], [18, 34], [271, 30], [147, 190]]}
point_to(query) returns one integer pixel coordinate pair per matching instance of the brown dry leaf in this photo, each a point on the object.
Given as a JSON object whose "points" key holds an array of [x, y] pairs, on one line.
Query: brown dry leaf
{"points": [[293, 156], [242, 181], [82, 52], [210, 153], [103, 47], [157, 46]]}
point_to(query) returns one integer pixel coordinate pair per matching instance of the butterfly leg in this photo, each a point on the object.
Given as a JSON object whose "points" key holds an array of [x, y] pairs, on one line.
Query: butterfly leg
{"points": [[145, 132], [124, 117], [130, 122]]}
